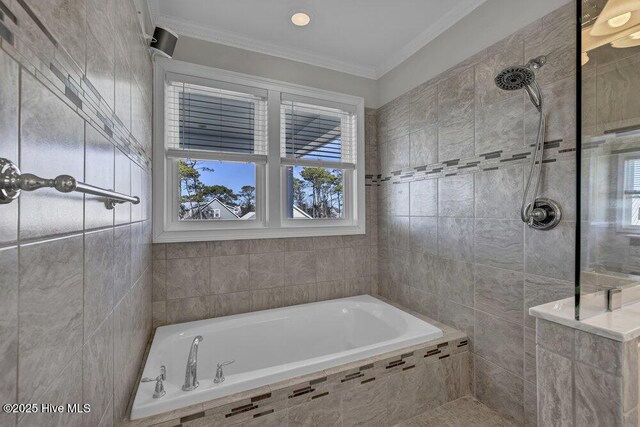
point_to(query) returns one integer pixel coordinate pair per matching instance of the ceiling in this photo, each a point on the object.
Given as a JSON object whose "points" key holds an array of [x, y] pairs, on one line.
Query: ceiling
{"points": [[367, 38]]}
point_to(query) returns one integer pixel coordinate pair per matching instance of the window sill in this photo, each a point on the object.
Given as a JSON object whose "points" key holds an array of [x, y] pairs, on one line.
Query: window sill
{"points": [[262, 233]]}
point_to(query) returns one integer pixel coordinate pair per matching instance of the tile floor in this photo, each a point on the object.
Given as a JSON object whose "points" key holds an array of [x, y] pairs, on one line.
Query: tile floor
{"points": [[464, 412]]}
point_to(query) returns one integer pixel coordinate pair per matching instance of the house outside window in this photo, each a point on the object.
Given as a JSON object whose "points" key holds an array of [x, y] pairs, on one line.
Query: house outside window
{"points": [[244, 157]]}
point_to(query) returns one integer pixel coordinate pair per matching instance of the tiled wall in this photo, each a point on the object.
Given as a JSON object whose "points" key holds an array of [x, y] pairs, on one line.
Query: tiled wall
{"points": [[585, 379], [75, 278], [193, 281], [454, 154]]}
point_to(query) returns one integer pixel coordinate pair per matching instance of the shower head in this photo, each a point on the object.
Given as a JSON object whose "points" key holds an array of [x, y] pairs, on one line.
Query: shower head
{"points": [[522, 77], [515, 78]]}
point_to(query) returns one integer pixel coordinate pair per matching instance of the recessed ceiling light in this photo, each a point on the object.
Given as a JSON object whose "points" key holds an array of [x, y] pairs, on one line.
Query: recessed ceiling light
{"points": [[300, 19]]}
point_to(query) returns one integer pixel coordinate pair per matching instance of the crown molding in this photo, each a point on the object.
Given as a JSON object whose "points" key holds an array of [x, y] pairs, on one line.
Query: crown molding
{"points": [[447, 21], [190, 29], [222, 37]]}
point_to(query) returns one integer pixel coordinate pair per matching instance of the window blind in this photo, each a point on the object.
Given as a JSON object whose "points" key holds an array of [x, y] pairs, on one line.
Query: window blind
{"points": [[208, 119], [316, 133], [632, 181]]}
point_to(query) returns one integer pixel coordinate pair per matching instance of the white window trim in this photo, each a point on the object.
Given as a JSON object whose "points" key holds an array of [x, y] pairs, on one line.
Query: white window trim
{"points": [[622, 226], [271, 221]]}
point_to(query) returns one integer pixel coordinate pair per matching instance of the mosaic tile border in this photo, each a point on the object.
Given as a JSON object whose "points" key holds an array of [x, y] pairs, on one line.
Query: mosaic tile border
{"points": [[60, 74], [254, 404], [556, 150]]}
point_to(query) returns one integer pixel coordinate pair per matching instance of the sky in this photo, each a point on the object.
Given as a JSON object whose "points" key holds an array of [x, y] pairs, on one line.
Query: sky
{"points": [[231, 175]]}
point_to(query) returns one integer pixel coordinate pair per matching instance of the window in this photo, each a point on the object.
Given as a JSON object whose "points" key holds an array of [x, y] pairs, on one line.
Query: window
{"points": [[630, 194], [317, 154], [246, 157]]}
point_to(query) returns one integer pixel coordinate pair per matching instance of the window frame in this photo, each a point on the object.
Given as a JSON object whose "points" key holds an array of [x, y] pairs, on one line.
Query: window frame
{"points": [[623, 225], [271, 219]]}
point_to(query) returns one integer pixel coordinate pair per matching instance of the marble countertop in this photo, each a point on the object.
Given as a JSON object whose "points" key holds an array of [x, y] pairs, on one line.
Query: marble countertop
{"points": [[619, 325]]}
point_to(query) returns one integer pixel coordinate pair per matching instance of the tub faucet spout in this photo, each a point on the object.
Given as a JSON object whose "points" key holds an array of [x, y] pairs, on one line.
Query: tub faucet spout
{"points": [[191, 376]]}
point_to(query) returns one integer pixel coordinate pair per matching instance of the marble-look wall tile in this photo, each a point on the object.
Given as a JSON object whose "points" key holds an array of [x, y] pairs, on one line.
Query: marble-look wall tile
{"points": [[456, 97], [540, 290], [423, 108], [366, 407], [329, 265], [330, 290], [67, 387], [557, 36], [500, 243], [559, 98], [186, 250], [465, 257], [101, 68], [455, 238], [554, 389], [50, 312], [454, 281], [558, 262], [424, 197], [159, 277], [266, 270], [507, 53], [300, 268], [558, 182], [555, 337], [498, 193], [121, 262], [229, 304], [500, 126], [122, 184], [323, 411], [264, 299], [399, 232], [395, 155], [229, 274], [187, 277], [159, 313], [499, 389], [8, 330], [97, 368], [424, 147], [399, 199], [424, 271], [228, 247], [602, 353], [98, 279], [99, 171], [455, 196], [598, 396], [423, 233], [51, 144], [65, 19], [9, 92], [500, 341], [500, 292], [187, 309], [530, 355]]}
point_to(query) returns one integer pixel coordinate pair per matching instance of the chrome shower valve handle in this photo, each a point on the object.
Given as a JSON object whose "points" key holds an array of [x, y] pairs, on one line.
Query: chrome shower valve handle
{"points": [[159, 390]]}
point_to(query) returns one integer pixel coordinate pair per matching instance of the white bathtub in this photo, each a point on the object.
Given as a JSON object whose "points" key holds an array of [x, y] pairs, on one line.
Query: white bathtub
{"points": [[274, 345]]}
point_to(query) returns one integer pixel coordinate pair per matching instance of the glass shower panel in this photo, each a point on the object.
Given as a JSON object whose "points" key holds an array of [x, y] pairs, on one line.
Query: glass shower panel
{"points": [[610, 166]]}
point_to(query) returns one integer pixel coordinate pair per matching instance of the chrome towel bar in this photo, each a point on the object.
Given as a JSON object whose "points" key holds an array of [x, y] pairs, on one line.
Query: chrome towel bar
{"points": [[13, 182]]}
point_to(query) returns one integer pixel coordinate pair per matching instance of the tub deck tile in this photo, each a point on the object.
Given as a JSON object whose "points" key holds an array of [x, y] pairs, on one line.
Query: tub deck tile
{"points": [[379, 390], [234, 398]]}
